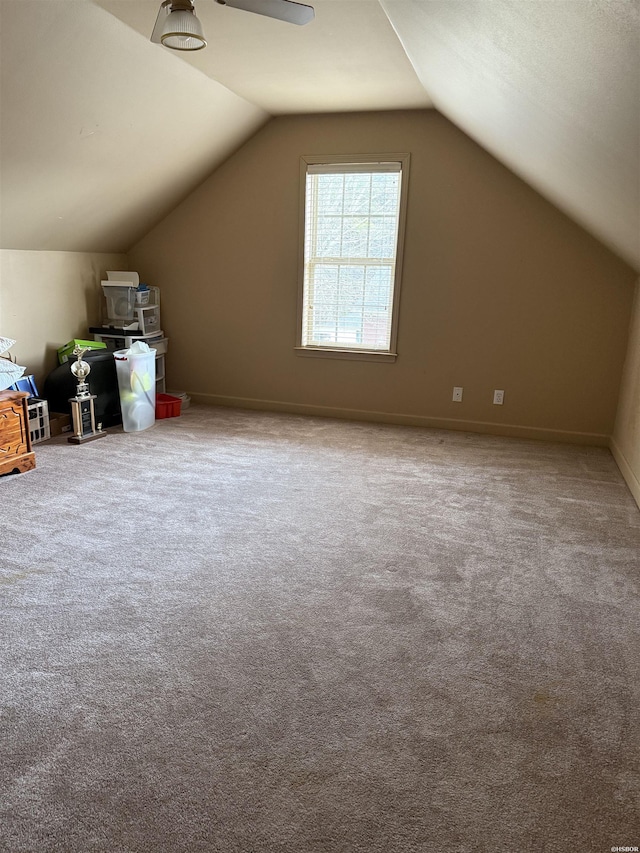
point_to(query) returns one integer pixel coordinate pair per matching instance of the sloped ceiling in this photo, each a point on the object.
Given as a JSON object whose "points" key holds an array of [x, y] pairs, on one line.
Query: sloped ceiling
{"points": [[550, 88], [103, 132]]}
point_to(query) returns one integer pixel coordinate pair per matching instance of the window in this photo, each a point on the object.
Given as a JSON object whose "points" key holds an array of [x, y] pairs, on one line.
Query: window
{"points": [[352, 241]]}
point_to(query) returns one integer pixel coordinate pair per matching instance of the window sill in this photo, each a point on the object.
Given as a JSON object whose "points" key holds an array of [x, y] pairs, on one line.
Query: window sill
{"points": [[347, 354]]}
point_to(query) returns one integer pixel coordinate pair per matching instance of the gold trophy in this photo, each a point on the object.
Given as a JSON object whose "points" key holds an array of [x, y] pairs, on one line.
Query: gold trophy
{"points": [[82, 411]]}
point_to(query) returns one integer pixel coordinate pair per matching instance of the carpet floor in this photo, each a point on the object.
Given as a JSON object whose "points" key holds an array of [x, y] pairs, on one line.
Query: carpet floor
{"points": [[246, 632]]}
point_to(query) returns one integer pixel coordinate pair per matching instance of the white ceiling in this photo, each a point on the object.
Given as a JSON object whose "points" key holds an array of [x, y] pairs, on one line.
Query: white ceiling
{"points": [[103, 132], [348, 58]]}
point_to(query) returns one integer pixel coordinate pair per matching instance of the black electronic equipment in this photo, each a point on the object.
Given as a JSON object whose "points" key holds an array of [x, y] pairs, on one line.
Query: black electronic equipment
{"points": [[60, 385]]}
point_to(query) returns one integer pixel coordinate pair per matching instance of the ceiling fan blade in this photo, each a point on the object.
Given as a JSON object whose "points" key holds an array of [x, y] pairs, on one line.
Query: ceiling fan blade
{"points": [[282, 10]]}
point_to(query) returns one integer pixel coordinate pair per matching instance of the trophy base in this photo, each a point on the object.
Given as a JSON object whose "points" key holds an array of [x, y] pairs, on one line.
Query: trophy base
{"points": [[81, 439]]}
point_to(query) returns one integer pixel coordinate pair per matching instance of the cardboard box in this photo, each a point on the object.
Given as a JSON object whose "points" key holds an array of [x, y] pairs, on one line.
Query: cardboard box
{"points": [[59, 423]]}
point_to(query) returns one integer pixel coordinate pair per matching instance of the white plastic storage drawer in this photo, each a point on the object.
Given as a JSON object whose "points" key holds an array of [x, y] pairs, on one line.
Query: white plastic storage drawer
{"points": [[159, 366], [116, 342], [120, 301], [148, 318], [160, 345]]}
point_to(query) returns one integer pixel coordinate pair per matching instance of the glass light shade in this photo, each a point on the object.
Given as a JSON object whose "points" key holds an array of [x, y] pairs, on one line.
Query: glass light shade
{"points": [[183, 31]]}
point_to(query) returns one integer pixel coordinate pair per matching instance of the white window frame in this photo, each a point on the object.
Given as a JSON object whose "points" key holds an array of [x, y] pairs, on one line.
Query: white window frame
{"points": [[373, 160]]}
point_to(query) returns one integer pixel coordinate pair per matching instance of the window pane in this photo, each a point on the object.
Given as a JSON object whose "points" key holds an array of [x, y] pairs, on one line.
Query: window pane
{"points": [[329, 237], [382, 242], [385, 193], [378, 287], [330, 194], [357, 190], [355, 237]]}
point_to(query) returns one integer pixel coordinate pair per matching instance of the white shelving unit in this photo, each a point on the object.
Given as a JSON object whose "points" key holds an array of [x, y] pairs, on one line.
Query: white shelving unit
{"points": [[147, 316]]}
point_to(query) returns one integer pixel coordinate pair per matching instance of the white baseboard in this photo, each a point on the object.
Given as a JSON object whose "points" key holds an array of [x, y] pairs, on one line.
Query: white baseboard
{"points": [[486, 428], [626, 471]]}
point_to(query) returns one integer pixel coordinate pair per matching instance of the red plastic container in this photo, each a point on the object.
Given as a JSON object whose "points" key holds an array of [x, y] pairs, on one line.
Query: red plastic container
{"points": [[167, 406]]}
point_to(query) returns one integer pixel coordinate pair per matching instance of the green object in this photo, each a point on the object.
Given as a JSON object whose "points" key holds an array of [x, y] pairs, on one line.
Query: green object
{"points": [[67, 350]]}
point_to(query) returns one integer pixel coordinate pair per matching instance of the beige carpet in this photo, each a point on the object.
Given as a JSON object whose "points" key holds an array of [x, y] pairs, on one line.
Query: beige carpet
{"points": [[255, 633]]}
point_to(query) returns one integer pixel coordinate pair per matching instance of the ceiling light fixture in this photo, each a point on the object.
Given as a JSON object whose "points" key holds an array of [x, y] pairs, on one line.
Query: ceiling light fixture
{"points": [[177, 26]]}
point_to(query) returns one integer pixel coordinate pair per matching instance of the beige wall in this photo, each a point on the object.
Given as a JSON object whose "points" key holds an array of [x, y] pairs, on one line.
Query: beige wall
{"points": [[500, 290], [48, 298], [626, 437]]}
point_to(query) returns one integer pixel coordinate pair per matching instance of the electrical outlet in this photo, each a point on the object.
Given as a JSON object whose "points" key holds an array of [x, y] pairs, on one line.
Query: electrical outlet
{"points": [[457, 395], [498, 398]]}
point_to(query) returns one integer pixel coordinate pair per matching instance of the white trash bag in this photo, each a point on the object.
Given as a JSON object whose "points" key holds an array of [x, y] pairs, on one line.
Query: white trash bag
{"points": [[136, 372]]}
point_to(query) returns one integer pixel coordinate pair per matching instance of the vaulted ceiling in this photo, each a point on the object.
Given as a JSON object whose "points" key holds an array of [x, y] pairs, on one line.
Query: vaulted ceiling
{"points": [[103, 132]]}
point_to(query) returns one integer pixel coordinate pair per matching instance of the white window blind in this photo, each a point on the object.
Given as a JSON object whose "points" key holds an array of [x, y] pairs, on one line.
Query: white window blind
{"points": [[352, 213]]}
